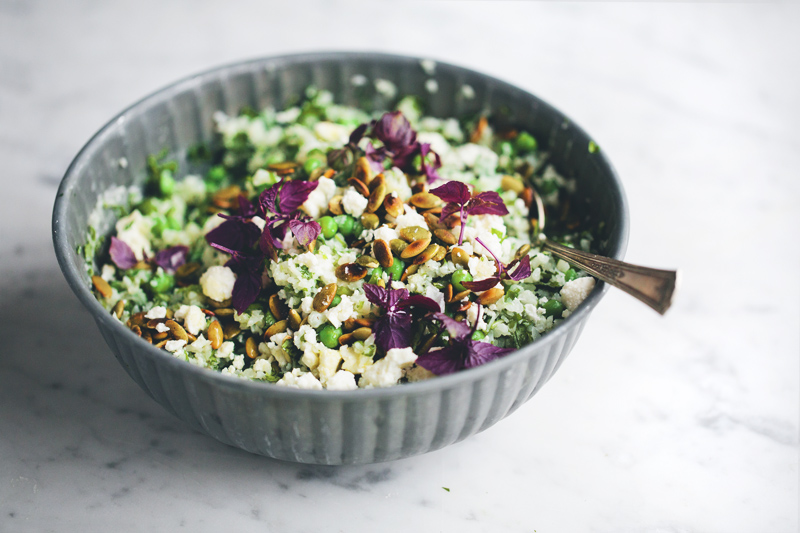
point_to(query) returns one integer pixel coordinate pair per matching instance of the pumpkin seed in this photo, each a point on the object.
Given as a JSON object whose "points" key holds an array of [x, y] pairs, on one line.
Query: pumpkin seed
{"points": [[459, 256], [428, 344], [523, 251], [510, 183], [335, 205], [367, 261], [152, 323], [393, 205], [324, 297], [351, 272], [227, 197], [278, 327], [376, 198], [440, 254], [136, 319], [360, 186], [527, 196], [424, 200], [378, 180], [370, 220], [397, 246], [365, 322], [432, 221], [224, 312], [381, 283], [136, 329], [284, 168], [159, 335], [463, 306], [347, 338], [415, 248], [177, 330], [162, 343], [251, 347], [480, 128], [414, 233], [448, 293], [427, 254], [349, 324], [215, 334], [435, 210], [491, 296], [231, 330], [215, 304], [361, 334], [295, 320], [418, 187], [410, 269], [119, 308], [276, 307], [102, 287], [461, 295], [383, 253], [445, 236], [362, 170]]}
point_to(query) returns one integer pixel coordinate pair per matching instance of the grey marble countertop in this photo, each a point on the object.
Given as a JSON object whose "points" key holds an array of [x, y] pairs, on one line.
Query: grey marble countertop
{"points": [[687, 423]]}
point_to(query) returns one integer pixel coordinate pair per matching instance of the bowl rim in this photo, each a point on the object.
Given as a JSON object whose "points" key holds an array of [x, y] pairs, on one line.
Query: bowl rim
{"points": [[77, 283]]}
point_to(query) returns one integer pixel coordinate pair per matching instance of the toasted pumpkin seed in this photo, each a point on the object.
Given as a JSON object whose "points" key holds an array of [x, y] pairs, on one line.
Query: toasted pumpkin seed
{"points": [[324, 297], [153, 322], [136, 319], [284, 167], [415, 248], [276, 307], [224, 312], [335, 205], [428, 344], [445, 236], [461, 295], [216, 305], [278, 327], [365, 322], [360, 186], [231, 330], [251, 347], [393, 205], [491, 296], [367, 261], [480, 128], [448, 293], [362, 170], [510, 183], [362, 334], [459, 256], [162, 343], [370, 220], [523, 251], [432, 221], [177, 330], [102, 287], [159, 335], [376, 198], [424, 200], [351, 272], [215, 334], [463, 306], [119, 308], [347, 338], [527, 196], [381, 283], [136, 329], [383, 253], [427, 254], [378, 180], [397, 246], [440, 254], [227, 197], [410, 269], [418, 187], [294, 319], [414, 233]]}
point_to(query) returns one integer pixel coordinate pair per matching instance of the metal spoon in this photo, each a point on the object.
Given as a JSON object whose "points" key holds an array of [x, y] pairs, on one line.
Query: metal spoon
{"points": [[652, 286]]}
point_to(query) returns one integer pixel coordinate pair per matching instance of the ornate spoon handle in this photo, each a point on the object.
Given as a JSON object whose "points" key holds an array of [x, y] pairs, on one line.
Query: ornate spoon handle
{"points": [[650, 285]]}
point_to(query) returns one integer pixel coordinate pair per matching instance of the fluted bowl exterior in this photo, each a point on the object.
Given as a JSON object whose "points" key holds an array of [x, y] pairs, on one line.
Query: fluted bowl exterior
{"points": [[327, 427]]}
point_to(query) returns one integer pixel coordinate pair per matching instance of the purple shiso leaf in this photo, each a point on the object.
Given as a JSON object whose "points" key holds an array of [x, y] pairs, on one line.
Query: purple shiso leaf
{"points": [[479, 353], [453, 191], [276, 230], [358, 134], [394, 131], [171, 258], [293, 194], [442, 362], [486, 203], [384, 298], [246, 208], [305, 231], [393, 330], [481, 285], [458, 330], [268, 199], [522, 270], [121, 254], [449, 209], [267, 247], [375, 156], [234, 233], [417, 300], [245, 290], [429, 169]]}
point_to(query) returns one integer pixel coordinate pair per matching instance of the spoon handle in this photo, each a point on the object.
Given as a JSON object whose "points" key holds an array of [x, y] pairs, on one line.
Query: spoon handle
{"points": [[650, 285]]}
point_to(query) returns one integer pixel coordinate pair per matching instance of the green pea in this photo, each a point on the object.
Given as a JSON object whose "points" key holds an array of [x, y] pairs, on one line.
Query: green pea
{"points": [[329, 227], [478, 335], [311, 165], [336, 301], [269, 319], [570, 274], [458, 277], [358, 228], [397, 269], [166, 183], [329, 336], [526, 142], [375, 274], [162, 283], [553, 308], [346, 224], [217, 174]]}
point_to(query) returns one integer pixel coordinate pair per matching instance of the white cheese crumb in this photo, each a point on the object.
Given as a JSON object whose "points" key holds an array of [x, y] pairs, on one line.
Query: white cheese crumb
{"points": [[386, 233], [410, 218], [157, 312], [174, 346], [217, 283], [108, 272], [225, 351], [574, 292], [388, 370], [162, 328], [353, 202], [317, 202], [342, 380], [194, 320]]}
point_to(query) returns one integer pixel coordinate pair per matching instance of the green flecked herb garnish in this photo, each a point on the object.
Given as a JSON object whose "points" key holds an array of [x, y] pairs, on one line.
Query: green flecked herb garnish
{"points": [[447, 489]]}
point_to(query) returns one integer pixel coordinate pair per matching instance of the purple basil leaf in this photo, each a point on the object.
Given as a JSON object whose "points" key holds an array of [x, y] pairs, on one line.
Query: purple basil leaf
{"points": [[234, 233], [417, 300], [453, 191], [266, 246], [458, 330], [486, 203], [442, 362], [268, 199], [276, 228], [375, 156], [429, 169], [479, 353], [395, 132], [449, 209], [294, 193], [245, 290], [393, 330], [358, 134], [121, 254], [171, 258], [522, 271], [246, 208], [482, 285], [305, 231], [384, 298]]}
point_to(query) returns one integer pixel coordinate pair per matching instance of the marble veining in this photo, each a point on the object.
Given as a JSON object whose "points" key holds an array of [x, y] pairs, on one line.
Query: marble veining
{"points": [[687, 423]]}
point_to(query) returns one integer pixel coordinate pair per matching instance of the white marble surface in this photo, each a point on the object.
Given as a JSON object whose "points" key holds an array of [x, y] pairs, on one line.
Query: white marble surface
{"points": [[687, 423]]}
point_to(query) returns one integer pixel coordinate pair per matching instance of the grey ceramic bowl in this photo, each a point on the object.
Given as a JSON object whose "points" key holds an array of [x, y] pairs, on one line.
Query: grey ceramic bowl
{"points": [[326, 427]]}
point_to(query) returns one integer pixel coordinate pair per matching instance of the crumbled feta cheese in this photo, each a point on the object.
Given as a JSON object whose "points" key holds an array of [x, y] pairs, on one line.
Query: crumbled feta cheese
{"points": [[156, 312], [353, 202], [574, 292], [262, 365], [297, 379], [386, 233], [397, 182], [217, 283], [329, 360], [332, 133], [108, 272], [317, 202], [225, 351], [342, 380], [388, 370], [194, 320], [135, 230], [482, 267], [410, 218], [174, 346], [162, 328]]}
